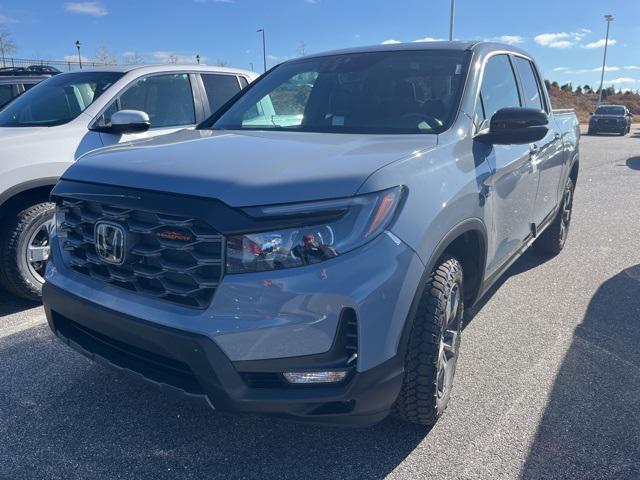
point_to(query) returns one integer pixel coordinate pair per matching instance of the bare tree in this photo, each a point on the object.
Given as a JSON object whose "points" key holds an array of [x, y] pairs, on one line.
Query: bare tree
{"points": [[7, 45], [133, 58], [104, 56], [302, 48], [221, 63]]}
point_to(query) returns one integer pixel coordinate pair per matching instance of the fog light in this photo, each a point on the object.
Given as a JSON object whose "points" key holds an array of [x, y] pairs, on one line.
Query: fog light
{"points": [[330, 376]]}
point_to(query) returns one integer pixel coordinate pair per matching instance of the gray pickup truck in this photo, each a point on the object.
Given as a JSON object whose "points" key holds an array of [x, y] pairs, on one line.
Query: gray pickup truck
{"points": [[308, 251]]}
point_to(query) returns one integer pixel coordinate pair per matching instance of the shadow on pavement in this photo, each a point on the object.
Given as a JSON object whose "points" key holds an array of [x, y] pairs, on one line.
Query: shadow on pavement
{"points": [[65, 417], [528, 261], [591, 426], [10, 304], [634, 162]]}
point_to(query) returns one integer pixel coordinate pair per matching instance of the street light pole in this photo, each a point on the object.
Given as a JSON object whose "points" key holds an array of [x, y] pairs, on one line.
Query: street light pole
{"points": [[452, 19], [79, 56], [609, 19], [264, 49]]}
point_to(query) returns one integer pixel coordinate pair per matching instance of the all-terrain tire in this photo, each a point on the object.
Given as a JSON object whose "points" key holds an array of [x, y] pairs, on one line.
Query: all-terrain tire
{"points": [[553, 239], [15, 274], [421, 400]]}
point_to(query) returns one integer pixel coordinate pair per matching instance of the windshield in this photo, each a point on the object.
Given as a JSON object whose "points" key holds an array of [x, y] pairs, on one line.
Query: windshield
{"points": [[610, 110], [57, 100], [380, 92]]}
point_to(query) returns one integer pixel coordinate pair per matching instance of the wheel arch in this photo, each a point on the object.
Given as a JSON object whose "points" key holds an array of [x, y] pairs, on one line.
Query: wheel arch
{"points": [[458, 241], [36, 190]]}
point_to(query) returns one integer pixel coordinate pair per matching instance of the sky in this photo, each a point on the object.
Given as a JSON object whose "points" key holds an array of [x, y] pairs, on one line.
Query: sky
{"points": [[565, 36]]}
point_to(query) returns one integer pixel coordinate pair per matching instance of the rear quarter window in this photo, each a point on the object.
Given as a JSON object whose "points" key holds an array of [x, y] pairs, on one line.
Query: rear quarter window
{"points": [[220, 88]]}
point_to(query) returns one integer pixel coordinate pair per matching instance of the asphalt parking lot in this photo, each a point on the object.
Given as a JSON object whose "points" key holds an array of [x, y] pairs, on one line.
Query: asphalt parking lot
{"points": [[548, 383]]}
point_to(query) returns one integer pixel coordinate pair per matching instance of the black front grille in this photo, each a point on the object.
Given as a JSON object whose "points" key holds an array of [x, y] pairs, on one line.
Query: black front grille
{"points": [[173, 258]]}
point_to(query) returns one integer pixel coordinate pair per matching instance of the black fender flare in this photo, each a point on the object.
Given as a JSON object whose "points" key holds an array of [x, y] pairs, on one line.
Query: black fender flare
{"points": [[469, 225], [26, 186]]}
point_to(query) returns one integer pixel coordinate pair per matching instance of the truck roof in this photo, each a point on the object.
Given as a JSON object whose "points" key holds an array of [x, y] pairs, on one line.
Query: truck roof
{"points": [[436, 45]]}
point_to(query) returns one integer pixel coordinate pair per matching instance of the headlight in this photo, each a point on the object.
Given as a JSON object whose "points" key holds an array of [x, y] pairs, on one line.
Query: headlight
{"points": [[352, 222]]}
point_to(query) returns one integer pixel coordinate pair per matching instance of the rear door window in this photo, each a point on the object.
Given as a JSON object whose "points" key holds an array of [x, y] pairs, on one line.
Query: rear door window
{"points": [[530, 87], [220, 88]]}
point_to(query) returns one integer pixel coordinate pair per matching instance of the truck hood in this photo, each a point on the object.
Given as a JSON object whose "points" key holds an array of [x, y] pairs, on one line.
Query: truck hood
{"points": [[248, 168], [18, 134]]}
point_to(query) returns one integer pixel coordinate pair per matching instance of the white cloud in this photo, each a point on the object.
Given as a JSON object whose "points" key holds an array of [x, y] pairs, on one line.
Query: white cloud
{"points": [[623, 80], [86, 8], [429, 39], [509, 39], [390, 41], [166, 56], [561, 39], [4, 20], [632, 67], [311, 1], [554, 40], [600, 43], [585, 70]]}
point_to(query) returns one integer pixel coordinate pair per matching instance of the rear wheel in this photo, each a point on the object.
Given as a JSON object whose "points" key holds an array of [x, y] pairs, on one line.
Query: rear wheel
{"points": [[434, 343], [25, 250], [554, 237]]}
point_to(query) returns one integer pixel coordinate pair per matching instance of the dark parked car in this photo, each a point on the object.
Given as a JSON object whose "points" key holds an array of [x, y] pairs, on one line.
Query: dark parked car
{"points": [[14, 81], [610, 119]]}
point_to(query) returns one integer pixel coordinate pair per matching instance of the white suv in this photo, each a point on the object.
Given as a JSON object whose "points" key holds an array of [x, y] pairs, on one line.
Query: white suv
{"points": [[53, 124]]}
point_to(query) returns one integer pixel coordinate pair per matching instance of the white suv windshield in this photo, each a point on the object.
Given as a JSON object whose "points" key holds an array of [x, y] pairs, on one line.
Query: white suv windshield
{"points": [[57, 100], [413, 91]]}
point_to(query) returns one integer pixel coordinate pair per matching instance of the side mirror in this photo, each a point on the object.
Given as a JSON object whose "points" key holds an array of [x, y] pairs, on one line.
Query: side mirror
{"points": [[129, 121], [511, 126]]}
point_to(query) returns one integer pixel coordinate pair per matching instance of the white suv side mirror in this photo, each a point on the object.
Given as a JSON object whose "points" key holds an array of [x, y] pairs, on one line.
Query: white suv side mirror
{"points": [[129, 121]]}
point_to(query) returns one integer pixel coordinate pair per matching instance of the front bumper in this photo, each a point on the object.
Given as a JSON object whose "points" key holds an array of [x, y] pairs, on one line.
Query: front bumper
{"points": [[194, 364], [607, 127]]}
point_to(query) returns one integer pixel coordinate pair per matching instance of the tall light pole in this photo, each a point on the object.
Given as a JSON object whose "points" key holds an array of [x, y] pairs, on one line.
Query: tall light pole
{"points": [[264, 49], [198, 59], [452, 19], [609, 19], [252, 69], [79, 56]]}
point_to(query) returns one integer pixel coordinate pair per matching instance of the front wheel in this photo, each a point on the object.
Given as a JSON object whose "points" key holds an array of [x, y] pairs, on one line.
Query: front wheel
{"points": [[25, 250], [434, 343], [554, 237]]}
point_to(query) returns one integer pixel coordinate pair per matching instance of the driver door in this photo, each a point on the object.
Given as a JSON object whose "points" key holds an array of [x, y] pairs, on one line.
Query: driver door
{"points": [[511, 188]]}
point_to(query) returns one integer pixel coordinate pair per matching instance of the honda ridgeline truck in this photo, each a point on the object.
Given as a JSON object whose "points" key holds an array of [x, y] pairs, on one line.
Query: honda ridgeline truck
{"points": [[48, 127], [308, 251]]}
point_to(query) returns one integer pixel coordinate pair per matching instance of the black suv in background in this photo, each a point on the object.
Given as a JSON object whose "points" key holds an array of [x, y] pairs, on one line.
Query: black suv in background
{"points": [[610, 119], [15, 81]]}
